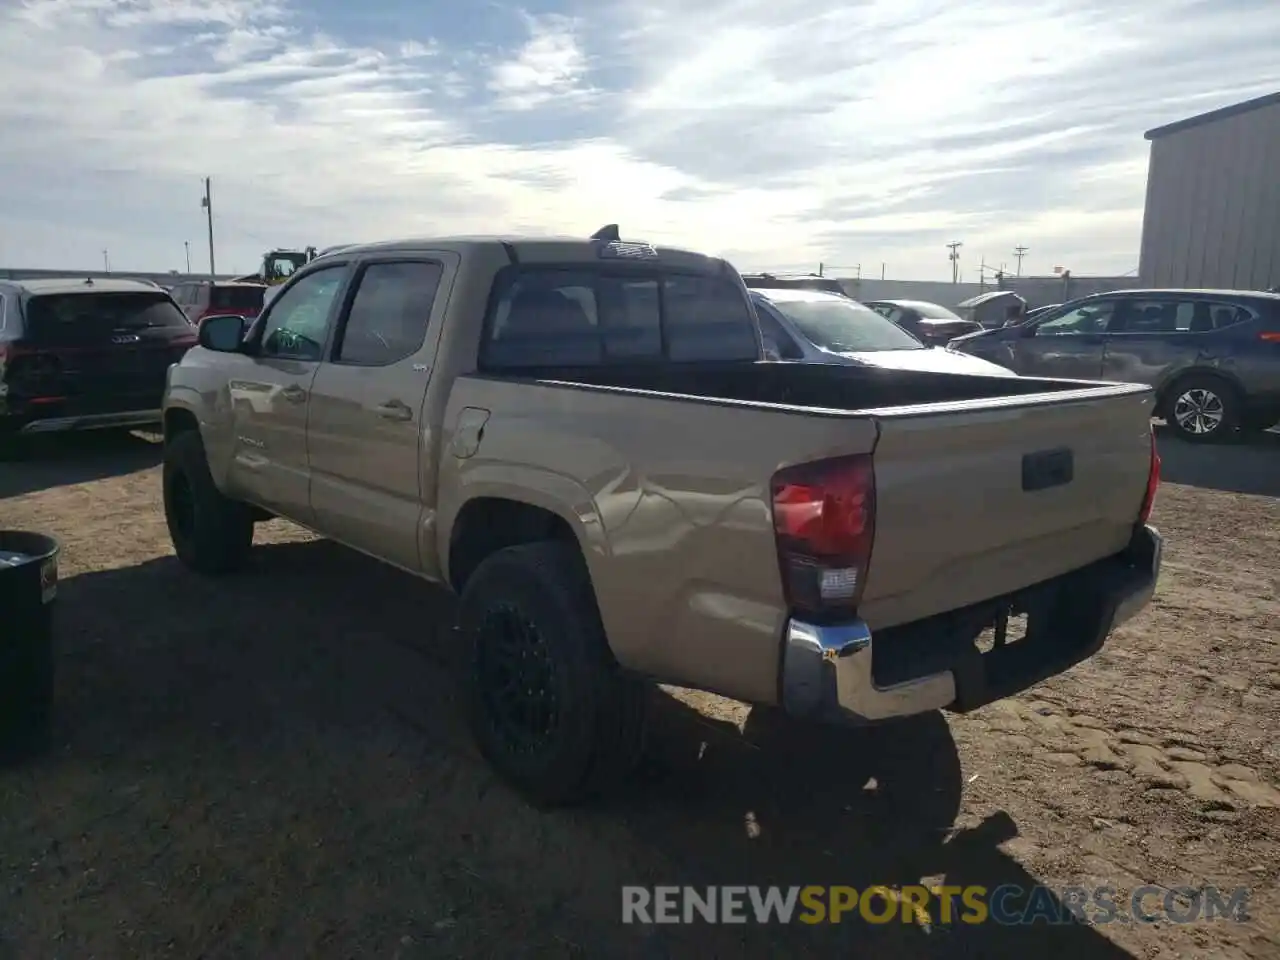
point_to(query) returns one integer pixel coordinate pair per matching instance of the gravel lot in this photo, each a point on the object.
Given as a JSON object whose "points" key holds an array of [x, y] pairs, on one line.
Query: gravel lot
{"points": [[276, 764]]}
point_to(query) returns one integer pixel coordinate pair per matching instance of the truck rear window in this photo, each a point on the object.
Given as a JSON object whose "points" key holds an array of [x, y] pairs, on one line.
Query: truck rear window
{"points": [[236, 298], [84, 319], [555, 317]]}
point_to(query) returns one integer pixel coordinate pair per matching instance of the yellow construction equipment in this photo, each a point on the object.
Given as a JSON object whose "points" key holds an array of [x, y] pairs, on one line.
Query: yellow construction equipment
{"points": [[278, 266]]}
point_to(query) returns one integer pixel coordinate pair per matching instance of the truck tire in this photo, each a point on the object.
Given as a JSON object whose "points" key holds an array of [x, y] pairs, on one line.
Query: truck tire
{"points": [[211, 533], [1202, 408], [550, 709]]}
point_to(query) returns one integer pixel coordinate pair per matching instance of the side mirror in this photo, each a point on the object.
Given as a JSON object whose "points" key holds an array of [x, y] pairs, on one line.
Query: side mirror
{"points": [[223, 332]]}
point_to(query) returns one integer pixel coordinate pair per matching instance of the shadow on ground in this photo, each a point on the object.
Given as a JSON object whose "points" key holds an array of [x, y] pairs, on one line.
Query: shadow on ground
{"points": [[275, 764], [43, 462], [1250, 465]]}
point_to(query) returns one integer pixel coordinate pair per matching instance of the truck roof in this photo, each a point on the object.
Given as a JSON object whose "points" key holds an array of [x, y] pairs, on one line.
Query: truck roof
{"points": [[543, 249]]}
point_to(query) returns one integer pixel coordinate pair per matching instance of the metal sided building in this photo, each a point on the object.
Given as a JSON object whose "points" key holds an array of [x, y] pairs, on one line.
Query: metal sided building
{"points": [[1212, 217]]}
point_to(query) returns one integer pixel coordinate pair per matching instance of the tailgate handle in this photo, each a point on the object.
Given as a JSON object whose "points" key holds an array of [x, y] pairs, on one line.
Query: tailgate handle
{"points": [[1047, 468]]}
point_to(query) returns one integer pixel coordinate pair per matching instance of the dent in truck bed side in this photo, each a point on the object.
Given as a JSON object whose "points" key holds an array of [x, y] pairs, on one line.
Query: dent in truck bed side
{"points": [[670, 502]]}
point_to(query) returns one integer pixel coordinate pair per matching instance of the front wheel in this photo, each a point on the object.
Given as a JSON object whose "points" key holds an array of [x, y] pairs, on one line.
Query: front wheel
{"points": [[1203, 409], [551, 711], [211, 533]]}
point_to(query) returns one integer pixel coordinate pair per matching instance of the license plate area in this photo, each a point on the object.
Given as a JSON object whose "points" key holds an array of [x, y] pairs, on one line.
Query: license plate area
{"points": [[988, 643]]}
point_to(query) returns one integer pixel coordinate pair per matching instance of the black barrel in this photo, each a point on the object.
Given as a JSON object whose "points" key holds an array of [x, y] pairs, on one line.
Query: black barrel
{"points": [[28, 591]]}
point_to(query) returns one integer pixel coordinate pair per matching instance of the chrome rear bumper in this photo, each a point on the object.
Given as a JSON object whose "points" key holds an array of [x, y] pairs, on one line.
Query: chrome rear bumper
{"points": [[827, 670]]}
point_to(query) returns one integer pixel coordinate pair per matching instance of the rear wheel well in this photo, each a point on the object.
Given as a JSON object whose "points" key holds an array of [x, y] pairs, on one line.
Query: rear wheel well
{"points": [[1169, 393], [489, 524], [178, 421]]}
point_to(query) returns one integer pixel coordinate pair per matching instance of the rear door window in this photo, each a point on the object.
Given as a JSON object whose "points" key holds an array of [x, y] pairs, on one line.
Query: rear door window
{"points": [[236, 299], [388, 317], [1173, 315], [557, 316], [85, 319]]}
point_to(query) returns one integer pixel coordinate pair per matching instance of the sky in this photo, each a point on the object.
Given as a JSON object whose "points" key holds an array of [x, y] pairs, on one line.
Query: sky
{"points": [[779, 133]]}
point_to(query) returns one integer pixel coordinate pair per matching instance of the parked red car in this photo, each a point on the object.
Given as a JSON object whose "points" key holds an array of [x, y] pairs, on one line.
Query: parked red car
{"points": [[200, 299]]}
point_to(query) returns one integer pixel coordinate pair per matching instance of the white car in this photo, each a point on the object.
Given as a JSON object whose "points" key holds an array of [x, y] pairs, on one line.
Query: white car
{"points": [[817, 327]]}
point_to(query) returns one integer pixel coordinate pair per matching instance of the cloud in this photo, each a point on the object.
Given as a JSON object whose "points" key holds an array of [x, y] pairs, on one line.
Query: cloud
{"points": [[550, 66], [784, 133]]}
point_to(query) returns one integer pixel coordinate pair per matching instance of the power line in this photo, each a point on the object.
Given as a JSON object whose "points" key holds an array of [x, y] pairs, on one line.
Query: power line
{"points": [[207, 203], [1019, 252], [954, 256]]}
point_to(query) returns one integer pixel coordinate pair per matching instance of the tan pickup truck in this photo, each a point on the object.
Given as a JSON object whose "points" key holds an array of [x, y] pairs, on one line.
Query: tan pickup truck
{"points": [[578, 436]]}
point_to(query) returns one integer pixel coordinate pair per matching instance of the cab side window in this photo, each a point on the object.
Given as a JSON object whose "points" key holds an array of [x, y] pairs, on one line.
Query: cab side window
{"points": [[298, 321], [387, 321]]}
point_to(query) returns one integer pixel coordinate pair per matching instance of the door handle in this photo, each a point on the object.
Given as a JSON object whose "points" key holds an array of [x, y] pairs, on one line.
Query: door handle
{"points": [[394, 410], [294, 394]]}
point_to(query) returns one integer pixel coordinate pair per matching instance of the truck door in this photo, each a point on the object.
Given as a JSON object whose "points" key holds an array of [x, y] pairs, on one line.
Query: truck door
{"points": [[271, 392], [366, 438]]}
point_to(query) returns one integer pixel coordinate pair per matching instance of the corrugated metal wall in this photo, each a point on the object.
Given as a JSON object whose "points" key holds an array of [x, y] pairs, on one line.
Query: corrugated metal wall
{"points": [[1212, 215]]}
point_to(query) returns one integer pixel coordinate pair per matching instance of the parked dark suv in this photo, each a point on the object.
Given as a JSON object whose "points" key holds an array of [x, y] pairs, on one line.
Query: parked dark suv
{"points": [[1212, 355], [80, 354]]}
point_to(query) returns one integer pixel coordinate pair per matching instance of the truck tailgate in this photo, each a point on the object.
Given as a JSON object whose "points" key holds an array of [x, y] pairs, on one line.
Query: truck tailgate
{"points": [[981, 498]]}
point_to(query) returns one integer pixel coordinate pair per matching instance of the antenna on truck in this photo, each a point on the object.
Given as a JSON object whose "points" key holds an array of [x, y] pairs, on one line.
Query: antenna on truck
{"points": [[608, 233]]}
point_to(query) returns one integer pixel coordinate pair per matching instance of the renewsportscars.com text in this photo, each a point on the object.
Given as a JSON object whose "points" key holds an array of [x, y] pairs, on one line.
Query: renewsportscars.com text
{"points": [[1006, 905]]}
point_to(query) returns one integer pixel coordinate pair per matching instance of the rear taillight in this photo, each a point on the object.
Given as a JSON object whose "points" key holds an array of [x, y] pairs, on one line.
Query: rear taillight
{"points": [[1153, 483], [1270, 336], [824, 522]]}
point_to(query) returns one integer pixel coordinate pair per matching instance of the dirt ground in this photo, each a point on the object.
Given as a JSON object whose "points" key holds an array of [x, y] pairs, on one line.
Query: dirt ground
{"points": [[276, 765]]}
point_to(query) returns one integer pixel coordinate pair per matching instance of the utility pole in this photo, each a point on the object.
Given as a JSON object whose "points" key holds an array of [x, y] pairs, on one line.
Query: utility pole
{"points": [[207, 203], [186, 248], [106, 262], [819, 269], [1019, 252], [954, 256], [882, 270]]}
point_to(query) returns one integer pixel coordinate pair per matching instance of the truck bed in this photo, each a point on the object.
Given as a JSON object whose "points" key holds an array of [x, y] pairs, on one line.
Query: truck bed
{"points": [[822, 388], [957, 520]]}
